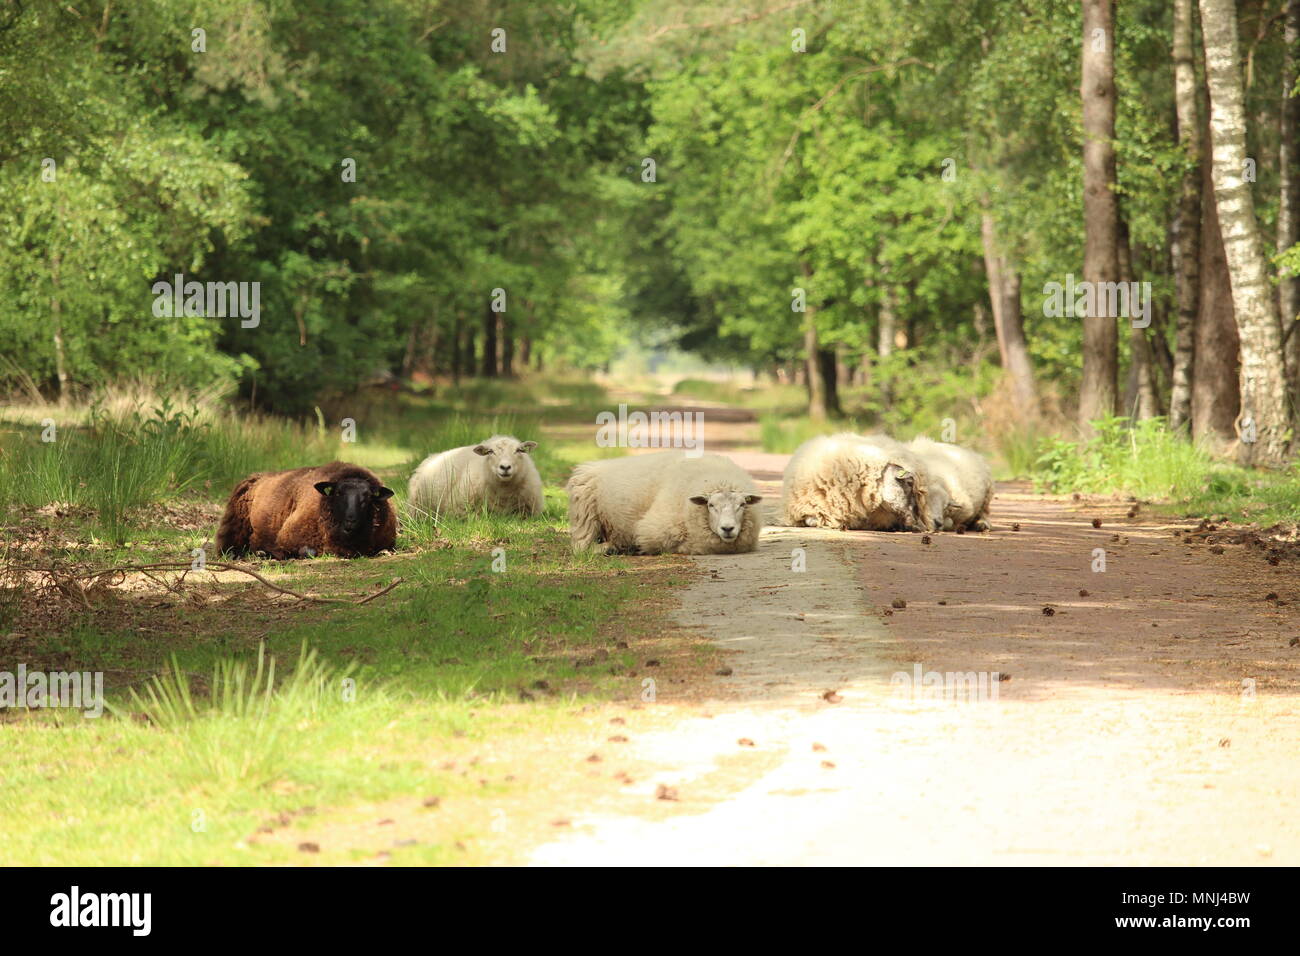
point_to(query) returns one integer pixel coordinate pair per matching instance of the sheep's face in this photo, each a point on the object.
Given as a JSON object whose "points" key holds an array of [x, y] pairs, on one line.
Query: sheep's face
{"points": [[940, 505], [898, 497], [351, 503], [726, 511], [505, 457]]}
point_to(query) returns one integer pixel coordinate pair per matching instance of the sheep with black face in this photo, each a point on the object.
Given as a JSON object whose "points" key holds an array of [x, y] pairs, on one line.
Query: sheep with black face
{"points": [[337, 509]]}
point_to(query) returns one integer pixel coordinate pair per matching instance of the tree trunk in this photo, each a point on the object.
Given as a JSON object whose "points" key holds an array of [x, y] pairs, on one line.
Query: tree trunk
{"points": [[830, 381], [489, 367], [1140, 398], [456, 357], [1160, 343], [410, 352], [525, 350], [56, 321], [885, 343], [864, 370], [814, 376], [507, 338], [1187, 221], [430, 359], [469, 349], [1097, 392], [1008, 321], [1288, 215], [1265, 416], [812, 367], [1215, 387], [980, 320]]}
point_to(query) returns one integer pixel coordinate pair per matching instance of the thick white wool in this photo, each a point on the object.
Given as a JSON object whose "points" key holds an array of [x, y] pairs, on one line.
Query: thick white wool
{"points": [[464, 479], [642, 504], [965, 480]]}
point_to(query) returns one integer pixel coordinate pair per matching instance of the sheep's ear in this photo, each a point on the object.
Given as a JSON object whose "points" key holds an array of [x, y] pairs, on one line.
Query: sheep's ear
{"points": [[753, 499], [903, 476], [527, 446], [482, 450], [698, 499], [326, 488], [381, 493]]}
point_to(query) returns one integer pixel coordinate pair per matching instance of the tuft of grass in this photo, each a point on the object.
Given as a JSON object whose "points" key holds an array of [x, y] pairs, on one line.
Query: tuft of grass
{"points": [[245, 728], [1146, 460], [1141, 458]]}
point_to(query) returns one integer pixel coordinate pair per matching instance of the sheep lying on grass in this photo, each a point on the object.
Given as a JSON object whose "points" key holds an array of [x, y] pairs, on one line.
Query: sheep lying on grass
{"points": [[961, 485], [337, 509], [497, 474], [855, 482], [663, 503]]}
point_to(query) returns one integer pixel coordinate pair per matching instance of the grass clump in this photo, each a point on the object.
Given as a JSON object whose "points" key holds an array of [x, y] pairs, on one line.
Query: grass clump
{"points": [[244, 728], [1142, 458]]}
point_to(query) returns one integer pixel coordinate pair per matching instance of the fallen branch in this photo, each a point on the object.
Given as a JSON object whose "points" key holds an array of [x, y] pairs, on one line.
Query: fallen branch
{"points": [[55, 573]]}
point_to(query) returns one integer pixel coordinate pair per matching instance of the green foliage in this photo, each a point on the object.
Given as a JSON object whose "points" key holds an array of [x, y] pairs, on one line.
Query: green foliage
{"points": [[925, 391], [228, 165], [1137, 458]]}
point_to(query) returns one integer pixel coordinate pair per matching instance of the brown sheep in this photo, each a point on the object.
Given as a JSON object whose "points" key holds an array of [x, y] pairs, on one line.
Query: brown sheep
{"points": [[337, 509]]}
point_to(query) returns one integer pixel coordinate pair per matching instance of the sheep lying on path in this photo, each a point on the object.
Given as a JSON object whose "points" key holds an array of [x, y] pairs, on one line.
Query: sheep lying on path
{"points": [[337, 509], [663, 503], [961, 485], [855, 482], [497, 474]]}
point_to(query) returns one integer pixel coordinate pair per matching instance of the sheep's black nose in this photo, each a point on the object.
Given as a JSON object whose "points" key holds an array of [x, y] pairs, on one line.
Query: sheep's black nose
{"points": [[728, 528]]}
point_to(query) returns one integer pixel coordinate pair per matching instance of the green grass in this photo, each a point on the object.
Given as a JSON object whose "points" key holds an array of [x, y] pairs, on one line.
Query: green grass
{"points": [[116, 462], [1149, 462], [1144, 460], [231, 707], [439, 664]]}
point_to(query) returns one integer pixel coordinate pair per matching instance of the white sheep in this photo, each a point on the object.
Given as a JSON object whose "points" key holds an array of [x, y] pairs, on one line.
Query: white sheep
{"points": [[497, 474], [663, 503], [961, 485], [855, 482]]}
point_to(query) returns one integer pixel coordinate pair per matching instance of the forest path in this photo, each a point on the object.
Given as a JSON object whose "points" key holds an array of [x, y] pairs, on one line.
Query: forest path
{"points": [[1150, 718]]}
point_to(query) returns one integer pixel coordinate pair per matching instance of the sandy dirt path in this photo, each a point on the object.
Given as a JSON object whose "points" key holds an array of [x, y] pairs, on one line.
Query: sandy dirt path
{"points": [[1150, 716]]}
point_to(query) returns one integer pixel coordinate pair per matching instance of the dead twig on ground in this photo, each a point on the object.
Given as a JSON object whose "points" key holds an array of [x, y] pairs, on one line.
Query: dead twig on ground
{"points": [[62, 577]]}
